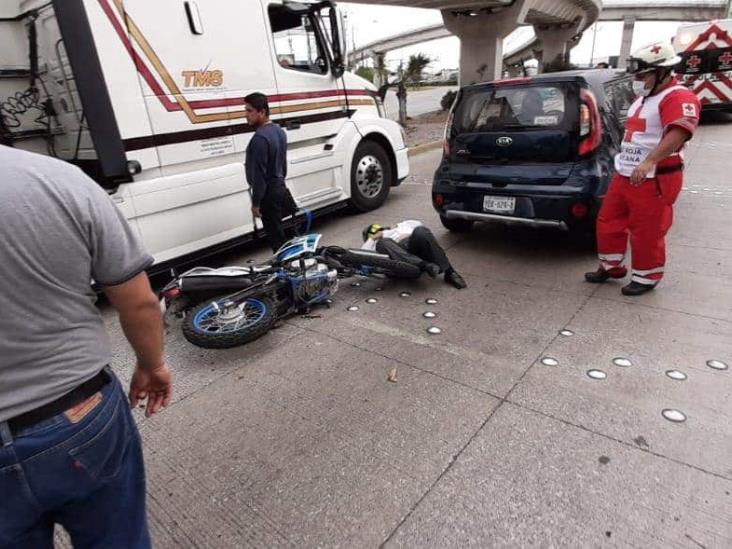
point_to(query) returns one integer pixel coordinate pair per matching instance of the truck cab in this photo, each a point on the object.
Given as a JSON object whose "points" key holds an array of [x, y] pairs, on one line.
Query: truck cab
{"points": [[147, 98]]}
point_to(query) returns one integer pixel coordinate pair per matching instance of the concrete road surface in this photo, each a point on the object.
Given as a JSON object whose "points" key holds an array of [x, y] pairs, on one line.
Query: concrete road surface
{"points": [[418, 102], [298, 439]]}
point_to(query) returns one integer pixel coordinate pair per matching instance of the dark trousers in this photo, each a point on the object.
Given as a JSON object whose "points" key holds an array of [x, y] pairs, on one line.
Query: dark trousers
{"points": [[420, 247], [275, 205], [87, 476]]}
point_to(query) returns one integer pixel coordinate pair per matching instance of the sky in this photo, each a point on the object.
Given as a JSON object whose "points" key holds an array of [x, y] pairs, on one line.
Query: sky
{"points": [[370, 23]]}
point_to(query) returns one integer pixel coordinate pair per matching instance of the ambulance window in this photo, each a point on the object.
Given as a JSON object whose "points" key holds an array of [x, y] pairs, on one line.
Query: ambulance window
{"points": [[297, 43]]}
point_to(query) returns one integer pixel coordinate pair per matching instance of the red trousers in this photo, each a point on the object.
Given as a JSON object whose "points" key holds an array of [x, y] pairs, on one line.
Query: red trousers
{"points": [[645, 213]]}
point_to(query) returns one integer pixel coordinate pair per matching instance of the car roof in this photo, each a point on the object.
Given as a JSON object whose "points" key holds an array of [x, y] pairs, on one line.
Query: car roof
{"points": [[595, 78]]}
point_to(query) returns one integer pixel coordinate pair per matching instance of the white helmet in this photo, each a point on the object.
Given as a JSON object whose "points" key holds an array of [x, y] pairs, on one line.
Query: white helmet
{"points": [[653, 56]]}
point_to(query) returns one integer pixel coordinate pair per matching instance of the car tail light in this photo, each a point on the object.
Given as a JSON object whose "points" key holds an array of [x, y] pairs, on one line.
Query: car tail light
{"points": [[446, 149], [590, 125], [585, 120], [579, 210], [439, 200]]}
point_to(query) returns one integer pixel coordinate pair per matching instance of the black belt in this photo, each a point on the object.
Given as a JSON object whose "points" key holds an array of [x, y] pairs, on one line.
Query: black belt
{"points": [[60, 405], [669, 169]]}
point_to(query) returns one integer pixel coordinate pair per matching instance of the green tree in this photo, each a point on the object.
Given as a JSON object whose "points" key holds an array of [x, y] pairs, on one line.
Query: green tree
{"points": [[366, 73], [411, 74]]}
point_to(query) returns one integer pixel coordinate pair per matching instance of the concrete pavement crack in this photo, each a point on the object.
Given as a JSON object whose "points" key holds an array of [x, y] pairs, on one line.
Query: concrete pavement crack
{"points": [[455, 457], [556, 336], [619, 441], [442, 474], [399, 361], [665, 309]]}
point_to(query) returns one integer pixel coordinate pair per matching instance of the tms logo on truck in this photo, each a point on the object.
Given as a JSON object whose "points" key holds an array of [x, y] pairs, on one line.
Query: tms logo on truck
{"points": [[203, 79]]}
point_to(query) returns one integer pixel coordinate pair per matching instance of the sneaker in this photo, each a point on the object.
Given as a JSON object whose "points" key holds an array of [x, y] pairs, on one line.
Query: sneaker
{"points": [[601, 275], [636, 288], [454, 278]]}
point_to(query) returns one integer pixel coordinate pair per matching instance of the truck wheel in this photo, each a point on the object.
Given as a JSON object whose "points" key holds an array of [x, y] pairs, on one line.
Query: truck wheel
{"points": [[457, 225], [371, 177]]}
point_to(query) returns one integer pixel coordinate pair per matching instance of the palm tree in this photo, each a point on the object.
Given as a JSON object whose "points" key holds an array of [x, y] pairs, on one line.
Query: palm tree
{"points": [[411, 75]]}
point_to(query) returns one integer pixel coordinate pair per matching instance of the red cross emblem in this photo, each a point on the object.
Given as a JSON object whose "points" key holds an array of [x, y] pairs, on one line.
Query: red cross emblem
{"points": [[655, 49], [634, 124], [726, 58], [694, 61]]}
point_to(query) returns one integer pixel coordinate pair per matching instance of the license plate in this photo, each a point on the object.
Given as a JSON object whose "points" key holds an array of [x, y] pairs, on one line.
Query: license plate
{"points": [[499, 204]]}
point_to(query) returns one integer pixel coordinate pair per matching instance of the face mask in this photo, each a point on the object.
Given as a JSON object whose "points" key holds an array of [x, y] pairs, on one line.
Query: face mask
{"points": [[639, 88]]}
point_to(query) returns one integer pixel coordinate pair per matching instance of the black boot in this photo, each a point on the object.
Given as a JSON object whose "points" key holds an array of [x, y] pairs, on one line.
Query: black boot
{"points": [[600, 275], [454, 278], [636, 288]]}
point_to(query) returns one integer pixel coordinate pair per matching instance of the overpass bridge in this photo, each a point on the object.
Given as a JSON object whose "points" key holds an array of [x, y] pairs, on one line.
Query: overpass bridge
{"points": [[628, 11], [482, 25]]}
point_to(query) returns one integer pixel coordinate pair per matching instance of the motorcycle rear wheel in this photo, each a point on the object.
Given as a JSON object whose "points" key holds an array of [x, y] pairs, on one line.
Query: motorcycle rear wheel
{"points": [[220, 324]]}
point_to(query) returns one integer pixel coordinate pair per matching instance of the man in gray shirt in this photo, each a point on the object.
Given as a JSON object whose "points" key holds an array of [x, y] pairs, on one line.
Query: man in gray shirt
{"points": [[69, 449]]}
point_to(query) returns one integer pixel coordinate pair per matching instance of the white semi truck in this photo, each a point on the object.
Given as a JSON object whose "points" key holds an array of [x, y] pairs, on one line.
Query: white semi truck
{"points": [[147, 98]]}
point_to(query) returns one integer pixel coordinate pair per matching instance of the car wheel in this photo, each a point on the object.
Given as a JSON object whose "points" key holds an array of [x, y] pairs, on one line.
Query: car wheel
{"points": [[371, 177], [457, 225]]}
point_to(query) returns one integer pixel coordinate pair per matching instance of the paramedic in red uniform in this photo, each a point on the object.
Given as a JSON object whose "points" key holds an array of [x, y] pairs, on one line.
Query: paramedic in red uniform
{"points": [[648, 172]]}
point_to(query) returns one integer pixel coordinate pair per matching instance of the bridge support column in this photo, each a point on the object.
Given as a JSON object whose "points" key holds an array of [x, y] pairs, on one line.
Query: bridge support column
{"points": [[481, 37], [556, 43], [627, 41]]}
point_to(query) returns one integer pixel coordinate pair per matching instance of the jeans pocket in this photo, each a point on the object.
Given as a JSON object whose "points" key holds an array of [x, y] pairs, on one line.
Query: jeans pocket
{"points": [[669, 185], [102, 456]]}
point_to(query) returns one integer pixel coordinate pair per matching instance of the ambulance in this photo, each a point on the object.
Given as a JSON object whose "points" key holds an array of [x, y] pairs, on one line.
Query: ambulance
{"points": [[147, 98], [706, 50]]}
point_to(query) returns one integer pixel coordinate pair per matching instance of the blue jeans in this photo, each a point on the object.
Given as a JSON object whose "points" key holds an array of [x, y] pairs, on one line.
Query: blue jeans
{"points": [[87, 476]]}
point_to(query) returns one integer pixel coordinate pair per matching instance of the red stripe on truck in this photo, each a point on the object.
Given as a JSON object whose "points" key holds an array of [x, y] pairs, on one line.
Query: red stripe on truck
{"points": [[172, 106]]}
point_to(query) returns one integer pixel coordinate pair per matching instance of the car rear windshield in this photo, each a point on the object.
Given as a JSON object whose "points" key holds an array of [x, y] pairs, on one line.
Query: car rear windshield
{"points": [[514, 108]]}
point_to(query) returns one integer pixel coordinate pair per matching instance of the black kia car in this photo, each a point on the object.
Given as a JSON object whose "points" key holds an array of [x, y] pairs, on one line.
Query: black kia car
{"points": [[536, 151]]}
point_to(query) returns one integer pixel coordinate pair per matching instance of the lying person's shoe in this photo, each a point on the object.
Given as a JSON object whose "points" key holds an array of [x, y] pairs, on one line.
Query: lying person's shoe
{"points": [[454, 278], [601, 275], [636, 288], [431, 269]]}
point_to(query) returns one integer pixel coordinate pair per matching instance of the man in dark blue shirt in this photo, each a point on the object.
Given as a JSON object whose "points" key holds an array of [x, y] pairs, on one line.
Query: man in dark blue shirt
{"points": [[266, 169]]}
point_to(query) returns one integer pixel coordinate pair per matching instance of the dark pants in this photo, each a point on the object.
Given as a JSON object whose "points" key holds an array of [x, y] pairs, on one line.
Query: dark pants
{"points": [[87, 476], [420, 247], [276, 205]]}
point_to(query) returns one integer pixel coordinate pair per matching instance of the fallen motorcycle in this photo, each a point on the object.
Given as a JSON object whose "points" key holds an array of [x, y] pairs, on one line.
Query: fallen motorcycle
{"points": [[232, 306]]}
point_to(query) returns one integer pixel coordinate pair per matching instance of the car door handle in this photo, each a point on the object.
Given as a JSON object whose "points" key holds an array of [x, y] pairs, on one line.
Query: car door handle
{"points": [[293, 124]]}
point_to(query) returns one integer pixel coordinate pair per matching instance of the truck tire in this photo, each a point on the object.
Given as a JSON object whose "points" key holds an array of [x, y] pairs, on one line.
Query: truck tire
{"points": [[371, 177], [209, 327], [457, 225]]}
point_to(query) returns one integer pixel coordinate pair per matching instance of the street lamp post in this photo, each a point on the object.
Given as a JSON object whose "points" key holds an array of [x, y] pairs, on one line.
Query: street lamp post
{"points": [[594, 38]]}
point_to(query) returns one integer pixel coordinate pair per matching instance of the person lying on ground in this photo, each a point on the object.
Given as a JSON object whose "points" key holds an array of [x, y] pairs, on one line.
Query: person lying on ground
{"points": [[412, 242]]}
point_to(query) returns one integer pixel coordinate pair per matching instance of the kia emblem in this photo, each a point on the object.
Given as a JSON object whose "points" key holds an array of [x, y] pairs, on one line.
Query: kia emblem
{"points": [[504, 141]]}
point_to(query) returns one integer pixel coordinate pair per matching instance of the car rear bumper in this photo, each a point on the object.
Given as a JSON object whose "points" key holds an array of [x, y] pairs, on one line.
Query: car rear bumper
{"points": [[536, 205], [508, 219]]}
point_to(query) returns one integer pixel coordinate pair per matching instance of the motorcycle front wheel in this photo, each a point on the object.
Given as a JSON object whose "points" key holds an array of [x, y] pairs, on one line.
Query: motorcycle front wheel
{"points": [[223, 323]]}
